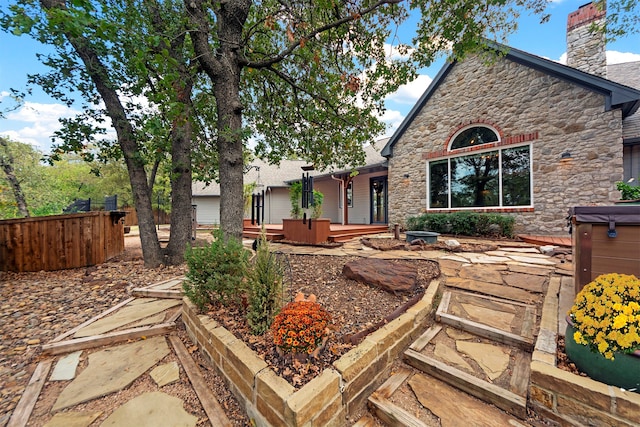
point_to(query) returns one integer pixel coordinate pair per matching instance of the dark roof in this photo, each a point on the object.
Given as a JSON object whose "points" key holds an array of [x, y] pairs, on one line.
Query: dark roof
{"points": [[616, 95]]}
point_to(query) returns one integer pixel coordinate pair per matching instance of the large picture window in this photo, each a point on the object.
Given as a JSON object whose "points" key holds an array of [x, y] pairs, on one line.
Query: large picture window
{"points": [[493, 178]]}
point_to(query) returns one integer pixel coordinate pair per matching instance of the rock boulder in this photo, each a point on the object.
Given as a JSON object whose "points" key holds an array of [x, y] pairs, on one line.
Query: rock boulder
{"points": [[393, 277]]}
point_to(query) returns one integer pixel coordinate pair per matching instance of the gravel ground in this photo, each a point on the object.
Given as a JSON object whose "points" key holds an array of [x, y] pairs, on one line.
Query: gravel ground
{"points": [[36, 307]]}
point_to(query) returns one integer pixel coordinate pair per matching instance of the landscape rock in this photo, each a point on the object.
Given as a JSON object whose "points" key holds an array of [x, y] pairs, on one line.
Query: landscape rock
{"points": [[73, 419], [151, 410], [548, 250], [168, 373], [452, 243], [112, 369], [65, 368], [390, 276]]}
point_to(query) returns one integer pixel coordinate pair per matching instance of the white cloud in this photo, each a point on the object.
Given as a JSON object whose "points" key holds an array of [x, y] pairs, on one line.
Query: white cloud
{"points": [[410, 93], [393, 54], [35, 123], [563, 58], [41, 113], [40, 122], [615, 57], [393, 119]]}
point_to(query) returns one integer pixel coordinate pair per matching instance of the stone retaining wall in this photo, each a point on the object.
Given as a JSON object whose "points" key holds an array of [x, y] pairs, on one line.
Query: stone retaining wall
{"points": [[328, 399], [568, 398]]}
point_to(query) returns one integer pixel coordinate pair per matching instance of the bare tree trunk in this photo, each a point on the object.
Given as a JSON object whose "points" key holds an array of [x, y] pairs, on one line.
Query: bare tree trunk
{"points": [[223, 68], [151, 250], [181, 177], [6, 161]]}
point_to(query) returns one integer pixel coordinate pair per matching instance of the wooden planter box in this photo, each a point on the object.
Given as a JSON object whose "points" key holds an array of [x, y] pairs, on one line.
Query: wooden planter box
{"points": [[297, 231], [605, 240]]}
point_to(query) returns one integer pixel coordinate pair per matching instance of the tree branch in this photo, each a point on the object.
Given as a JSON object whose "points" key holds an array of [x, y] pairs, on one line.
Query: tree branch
{"points": [[285, 53]]}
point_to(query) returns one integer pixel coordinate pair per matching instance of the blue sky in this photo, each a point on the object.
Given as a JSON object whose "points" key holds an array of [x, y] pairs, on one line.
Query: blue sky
{"points": [[37, 119]]}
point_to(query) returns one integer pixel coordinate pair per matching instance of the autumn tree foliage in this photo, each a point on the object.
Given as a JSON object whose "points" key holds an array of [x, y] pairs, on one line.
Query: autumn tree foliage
{"points": [[302, 78]]}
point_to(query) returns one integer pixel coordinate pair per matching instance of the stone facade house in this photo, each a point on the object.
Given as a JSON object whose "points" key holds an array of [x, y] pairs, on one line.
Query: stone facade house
{"points": [[520, 135]]}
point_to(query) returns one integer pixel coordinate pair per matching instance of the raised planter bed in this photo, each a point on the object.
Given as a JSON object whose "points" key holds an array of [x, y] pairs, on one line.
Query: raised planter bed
{"points": [[326, 400], [311, 231], [426, 236]]}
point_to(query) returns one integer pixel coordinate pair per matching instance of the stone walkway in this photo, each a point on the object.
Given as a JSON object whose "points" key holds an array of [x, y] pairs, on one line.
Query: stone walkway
{"points": [[133, 337]]}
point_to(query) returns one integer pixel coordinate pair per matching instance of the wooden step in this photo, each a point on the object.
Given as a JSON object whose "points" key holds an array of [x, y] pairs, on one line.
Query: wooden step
{"points": [[483, 390], [455, 408], [348, 235], [256, 235], [157, 293], [387, 411], [486, 331]]}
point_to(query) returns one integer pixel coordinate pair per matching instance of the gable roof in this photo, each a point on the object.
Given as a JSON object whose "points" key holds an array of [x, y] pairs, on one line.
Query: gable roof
{"points": [[626, 73], [373, 162], [288, 171], [272, 176], [616, 95]]}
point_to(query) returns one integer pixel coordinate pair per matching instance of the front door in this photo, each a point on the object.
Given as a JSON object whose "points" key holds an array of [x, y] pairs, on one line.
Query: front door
{"points": [[378, 197]]}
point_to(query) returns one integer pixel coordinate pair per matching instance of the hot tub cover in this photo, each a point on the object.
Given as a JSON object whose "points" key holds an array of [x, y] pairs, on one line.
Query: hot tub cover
{"points": [[606, 214]]}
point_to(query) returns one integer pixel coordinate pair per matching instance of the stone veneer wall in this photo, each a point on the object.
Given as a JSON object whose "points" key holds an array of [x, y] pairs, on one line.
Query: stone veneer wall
{"points": [[518, 101], [569, 399], [586, 48], [328, 399]]}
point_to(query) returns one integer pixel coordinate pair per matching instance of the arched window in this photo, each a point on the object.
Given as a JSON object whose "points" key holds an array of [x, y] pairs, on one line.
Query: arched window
{"points": [[474, 136], [491, 176]]}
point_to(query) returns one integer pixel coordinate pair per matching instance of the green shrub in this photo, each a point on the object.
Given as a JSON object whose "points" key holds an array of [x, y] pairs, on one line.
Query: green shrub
{"points": [[216, 272], [628, 191], [464, 223], [316, 209], [265, 288], [295, 197]]}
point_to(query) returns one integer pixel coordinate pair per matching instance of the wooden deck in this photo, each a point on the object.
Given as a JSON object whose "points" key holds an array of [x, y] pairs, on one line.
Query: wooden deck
{"points": [[338, 232], [546, 240]]}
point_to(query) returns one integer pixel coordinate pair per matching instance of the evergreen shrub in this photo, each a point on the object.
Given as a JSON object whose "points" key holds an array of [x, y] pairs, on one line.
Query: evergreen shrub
{"points": [[464, 223]]}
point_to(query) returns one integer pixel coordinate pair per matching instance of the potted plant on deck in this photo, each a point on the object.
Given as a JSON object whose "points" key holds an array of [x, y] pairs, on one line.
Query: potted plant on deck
{"points": [[603, 331]]}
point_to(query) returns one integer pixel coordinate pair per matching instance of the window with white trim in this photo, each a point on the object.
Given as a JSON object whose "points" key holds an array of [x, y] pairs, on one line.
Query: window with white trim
{"points": [[495, 177]]}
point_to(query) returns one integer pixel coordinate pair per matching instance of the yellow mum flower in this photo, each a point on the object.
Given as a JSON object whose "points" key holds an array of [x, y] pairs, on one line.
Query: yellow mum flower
{"points": [[620, 321], [603, 346], [606, 313]]}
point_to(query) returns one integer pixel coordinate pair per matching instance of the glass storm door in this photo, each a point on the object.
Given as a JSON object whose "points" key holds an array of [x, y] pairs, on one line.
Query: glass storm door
{"points": [[378, 199]]}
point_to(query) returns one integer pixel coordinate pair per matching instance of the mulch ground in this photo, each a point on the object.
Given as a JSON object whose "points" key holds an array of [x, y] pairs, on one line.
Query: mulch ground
{"points": [[36, 307]]}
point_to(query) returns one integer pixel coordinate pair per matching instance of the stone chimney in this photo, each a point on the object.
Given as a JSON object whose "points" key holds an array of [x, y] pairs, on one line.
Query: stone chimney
{"points": [[586, 48]]}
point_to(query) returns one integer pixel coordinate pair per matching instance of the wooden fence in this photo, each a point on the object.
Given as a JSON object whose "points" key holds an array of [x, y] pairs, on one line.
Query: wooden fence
{"points": [[61, 241], [159, 217]]}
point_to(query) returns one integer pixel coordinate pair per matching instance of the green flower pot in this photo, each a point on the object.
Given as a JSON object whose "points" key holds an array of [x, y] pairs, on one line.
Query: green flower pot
{"points": [[623, 371]]}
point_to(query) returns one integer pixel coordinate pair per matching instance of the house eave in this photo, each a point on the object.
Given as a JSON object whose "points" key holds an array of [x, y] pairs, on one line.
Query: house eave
{"points": [[616, 95]]}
